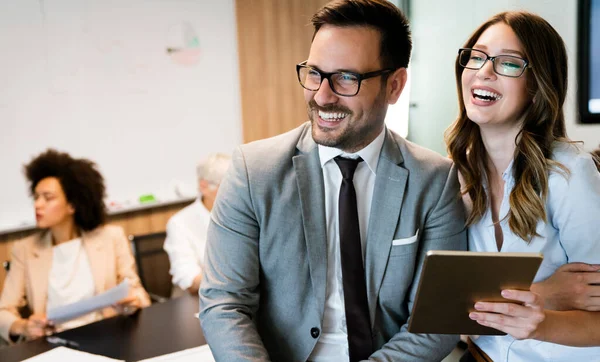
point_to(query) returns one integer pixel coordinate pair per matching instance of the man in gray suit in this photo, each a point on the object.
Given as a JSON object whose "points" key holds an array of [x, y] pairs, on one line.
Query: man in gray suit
{"points": [[276, 284]]}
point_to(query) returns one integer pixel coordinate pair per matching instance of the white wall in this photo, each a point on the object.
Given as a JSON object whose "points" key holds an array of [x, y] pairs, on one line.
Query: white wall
{"points": [[441, 27], [94, 78]]}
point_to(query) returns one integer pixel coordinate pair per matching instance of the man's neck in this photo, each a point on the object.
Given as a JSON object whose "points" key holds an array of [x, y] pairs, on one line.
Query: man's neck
{"points": [[207, 202]]}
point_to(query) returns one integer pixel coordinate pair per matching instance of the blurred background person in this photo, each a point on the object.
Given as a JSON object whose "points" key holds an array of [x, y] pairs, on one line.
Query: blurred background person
{"points": [[74, 256], [186, 230]]}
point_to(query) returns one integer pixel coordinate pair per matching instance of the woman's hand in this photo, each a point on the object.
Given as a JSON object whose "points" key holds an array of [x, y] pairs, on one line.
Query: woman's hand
{"points": [[572, 286], [36, 326], [129, 304], [520, 320]]}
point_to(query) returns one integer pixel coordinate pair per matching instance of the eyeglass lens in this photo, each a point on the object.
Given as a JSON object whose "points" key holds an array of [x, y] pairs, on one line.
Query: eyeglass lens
{"points": [[341, 83]]}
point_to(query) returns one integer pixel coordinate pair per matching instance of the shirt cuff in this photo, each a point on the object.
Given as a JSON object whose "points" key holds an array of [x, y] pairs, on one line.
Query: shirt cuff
{"points": [[184, 282]]}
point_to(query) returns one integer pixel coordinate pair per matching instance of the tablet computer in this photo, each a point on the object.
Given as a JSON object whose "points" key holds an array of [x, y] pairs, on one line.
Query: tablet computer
{"points": [[452, 281]]}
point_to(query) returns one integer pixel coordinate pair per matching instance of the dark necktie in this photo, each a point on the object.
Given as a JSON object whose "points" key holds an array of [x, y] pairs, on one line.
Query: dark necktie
{"points": [[353, 272]]}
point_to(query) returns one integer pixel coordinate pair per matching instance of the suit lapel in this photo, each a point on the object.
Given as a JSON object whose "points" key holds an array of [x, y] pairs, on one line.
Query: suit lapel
{"points": [[39, 270], [309, 179], [388, 194], [94, 248]]}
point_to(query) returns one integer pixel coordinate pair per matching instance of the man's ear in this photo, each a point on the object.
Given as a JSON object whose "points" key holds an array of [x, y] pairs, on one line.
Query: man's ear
{"points": [[396, 83], [203, 185]]}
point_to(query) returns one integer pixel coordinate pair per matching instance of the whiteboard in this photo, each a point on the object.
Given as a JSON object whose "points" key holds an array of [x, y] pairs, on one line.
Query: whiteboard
{"points": [[145, 88]]}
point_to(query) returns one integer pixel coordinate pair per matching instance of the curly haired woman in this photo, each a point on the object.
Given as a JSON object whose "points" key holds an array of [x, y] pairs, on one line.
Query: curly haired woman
{"points": [[74, 256]]}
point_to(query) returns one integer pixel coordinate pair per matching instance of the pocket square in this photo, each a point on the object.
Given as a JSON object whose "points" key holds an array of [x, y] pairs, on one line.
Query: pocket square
{"points": [[406, 241]]}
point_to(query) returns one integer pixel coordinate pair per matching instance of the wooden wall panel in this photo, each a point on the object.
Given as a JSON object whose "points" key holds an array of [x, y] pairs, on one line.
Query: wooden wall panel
{"points": [[273, 36], [133, 223]]}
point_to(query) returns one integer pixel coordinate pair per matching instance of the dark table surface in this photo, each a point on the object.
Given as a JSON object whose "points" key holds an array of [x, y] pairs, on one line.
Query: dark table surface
{"points": [[159, 329]]}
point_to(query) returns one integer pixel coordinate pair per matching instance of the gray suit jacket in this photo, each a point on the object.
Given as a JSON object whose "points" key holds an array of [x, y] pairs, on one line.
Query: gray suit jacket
{"points": [[263, 292]]}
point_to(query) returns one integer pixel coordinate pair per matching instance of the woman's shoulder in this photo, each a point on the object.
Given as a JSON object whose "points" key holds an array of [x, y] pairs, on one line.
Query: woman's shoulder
{"points": [[32, 240], [107, 231], [579, 164], [569, 154]]}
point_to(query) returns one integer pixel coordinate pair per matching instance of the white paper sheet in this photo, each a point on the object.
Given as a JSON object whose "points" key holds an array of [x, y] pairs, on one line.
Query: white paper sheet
{"points": [[61, 354], [196, 354], [102, 300]]}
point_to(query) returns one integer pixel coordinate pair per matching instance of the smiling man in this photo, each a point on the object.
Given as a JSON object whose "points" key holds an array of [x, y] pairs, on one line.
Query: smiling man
{"points": [[318, 235]]}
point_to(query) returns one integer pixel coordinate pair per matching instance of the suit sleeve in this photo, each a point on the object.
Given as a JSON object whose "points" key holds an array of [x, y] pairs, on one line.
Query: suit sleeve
{"points": [[229, 292], [444, 229], [13, 294], [126, 267]]}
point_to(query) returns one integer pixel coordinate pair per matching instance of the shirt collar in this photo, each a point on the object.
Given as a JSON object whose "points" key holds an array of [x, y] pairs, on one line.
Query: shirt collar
{"points": [[508, 175], [369, 154]]}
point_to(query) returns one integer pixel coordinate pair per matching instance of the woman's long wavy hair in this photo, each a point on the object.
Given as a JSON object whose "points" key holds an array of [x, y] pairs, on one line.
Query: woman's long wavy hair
{"points": [[543, 123]]}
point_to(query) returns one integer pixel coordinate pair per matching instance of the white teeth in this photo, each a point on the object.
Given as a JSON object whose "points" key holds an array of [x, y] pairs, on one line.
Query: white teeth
{"points": [[484, 93], [332, 116]]}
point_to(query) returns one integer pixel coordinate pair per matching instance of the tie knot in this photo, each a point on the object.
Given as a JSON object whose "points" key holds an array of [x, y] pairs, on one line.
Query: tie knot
{"points": [[347, 166]]}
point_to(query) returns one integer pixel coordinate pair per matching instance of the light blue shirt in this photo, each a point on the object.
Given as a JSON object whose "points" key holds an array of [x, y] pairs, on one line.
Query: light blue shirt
{"points": [[571, 234]]}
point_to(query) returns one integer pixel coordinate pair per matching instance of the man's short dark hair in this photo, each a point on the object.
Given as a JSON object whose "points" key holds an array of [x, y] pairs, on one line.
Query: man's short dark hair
{"points": [[81, 182], [392, 24]]}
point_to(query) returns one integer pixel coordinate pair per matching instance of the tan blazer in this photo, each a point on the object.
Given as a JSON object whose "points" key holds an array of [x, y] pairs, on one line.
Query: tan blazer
{"points": [[111, 261]]}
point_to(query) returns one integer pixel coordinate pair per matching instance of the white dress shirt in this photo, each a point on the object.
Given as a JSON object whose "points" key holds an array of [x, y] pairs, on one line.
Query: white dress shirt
{"points": [[70, 280], [186, 238], [332, 345], [570, 235]]}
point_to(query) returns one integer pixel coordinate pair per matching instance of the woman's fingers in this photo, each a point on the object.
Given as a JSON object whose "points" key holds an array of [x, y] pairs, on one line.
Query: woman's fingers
{"points": [[507, 309], [128, 305], [517, 333], [524, 296], [519, 320], [127, 300]]}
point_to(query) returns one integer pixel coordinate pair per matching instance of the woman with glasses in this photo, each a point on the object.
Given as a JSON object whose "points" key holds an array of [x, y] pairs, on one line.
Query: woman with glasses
{"points": [[73, 257], [527, 187]]}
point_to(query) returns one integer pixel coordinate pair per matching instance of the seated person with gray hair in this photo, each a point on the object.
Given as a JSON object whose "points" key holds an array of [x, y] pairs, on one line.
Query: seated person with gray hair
{"points": [[186, 230]]}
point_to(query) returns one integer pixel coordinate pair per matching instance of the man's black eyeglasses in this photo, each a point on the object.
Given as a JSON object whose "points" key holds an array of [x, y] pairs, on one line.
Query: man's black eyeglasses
{"points": [[346, 84]]}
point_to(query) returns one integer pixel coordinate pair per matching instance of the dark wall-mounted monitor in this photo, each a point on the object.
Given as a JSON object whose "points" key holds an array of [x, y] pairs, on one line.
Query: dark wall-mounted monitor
{"points": [[588, 61]]}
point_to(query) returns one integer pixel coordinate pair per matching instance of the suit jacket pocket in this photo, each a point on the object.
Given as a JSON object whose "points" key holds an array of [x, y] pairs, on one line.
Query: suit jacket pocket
{"points": [[405, 245], [405, 241]]}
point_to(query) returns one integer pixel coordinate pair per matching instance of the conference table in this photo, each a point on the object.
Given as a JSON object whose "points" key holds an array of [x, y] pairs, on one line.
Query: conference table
{"points": [[153, 331]]}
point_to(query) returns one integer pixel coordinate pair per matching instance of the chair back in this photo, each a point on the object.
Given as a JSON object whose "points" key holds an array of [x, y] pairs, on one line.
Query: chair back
{"points": [[153, 264]]}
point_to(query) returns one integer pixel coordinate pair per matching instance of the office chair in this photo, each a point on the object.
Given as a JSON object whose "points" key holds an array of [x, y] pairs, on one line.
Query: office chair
{"points": [[153, 265]]}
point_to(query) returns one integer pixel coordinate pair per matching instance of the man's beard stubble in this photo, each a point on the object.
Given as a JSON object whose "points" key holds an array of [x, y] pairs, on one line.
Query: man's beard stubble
{"points": [[352, 139], [313, 109]]}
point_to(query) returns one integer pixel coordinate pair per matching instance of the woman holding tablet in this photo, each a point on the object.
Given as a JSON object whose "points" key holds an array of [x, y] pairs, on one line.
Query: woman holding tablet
{"points": [[527, 187], [74, 257]]}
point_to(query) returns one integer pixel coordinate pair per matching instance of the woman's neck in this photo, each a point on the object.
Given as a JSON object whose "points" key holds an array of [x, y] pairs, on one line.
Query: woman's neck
{"points": [[500, 144], [207, 202], [64, 232]]}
